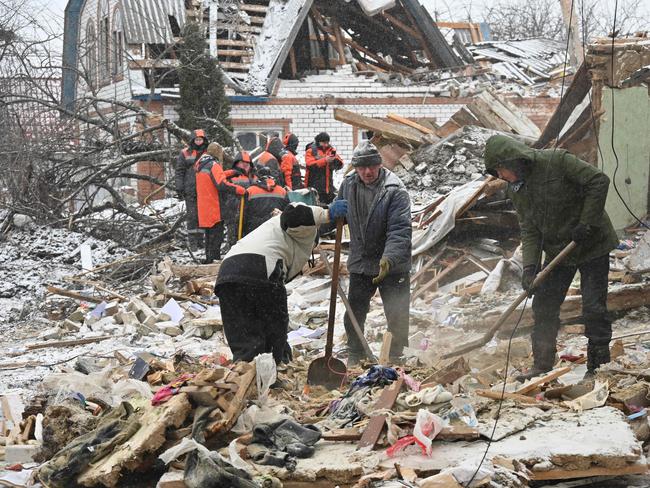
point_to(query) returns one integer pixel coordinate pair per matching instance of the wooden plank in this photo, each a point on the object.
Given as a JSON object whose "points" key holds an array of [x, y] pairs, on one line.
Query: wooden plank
{"points": [[384, 354], [411, 123], [340, 49], [239, 27], [471, 201], [458, 433], [490, 120], [259, 9], [401, 25], [438, 277], [496, 395], [426, 267], [292, 62], [533, 385], [257, 20], [565, 474], [75, 342], [510, 114], [232, 65], [71, 294], [232, 42], [234, 52], [371, 434], [574, 95], [387, 129]]}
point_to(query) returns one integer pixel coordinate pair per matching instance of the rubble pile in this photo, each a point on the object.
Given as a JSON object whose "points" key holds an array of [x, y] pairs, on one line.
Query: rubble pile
{"points": [[450, 162]]}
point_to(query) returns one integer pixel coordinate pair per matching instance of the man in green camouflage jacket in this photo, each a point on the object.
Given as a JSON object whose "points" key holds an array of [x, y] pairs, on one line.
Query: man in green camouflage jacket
{"points": [[559, 198]]}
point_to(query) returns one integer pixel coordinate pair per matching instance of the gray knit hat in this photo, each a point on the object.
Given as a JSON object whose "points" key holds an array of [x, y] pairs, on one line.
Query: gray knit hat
{"points": [[366, 154]]}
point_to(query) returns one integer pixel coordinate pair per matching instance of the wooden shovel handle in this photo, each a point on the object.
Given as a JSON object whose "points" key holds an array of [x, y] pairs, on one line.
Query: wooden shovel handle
{"points": [[334, 288], [470, 346]]}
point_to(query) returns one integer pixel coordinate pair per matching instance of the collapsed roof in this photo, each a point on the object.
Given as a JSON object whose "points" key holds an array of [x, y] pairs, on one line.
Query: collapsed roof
{"points": [[259, 39]]}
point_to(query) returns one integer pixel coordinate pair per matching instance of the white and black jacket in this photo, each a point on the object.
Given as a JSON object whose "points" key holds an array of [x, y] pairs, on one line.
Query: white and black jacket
{"points": [[270, 254]]}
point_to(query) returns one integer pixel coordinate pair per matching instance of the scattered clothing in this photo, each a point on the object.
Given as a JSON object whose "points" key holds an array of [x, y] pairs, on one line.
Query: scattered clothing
{"points": [[376, 376]]}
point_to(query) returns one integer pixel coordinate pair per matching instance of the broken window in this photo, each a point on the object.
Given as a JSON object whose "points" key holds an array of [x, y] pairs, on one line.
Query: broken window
{"points": [[104, 44], [89, 63], [176, 28], [250, 138], [160, 51], [117, 63], [161, 78]]}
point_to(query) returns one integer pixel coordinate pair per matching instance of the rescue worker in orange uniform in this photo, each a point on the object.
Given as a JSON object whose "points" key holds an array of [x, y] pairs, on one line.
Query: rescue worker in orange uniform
{"points": [[263, 196], [232, 188], [209, 176], [186, 184], [284, 166], [270, 157], [289, 160], [321, 160]]}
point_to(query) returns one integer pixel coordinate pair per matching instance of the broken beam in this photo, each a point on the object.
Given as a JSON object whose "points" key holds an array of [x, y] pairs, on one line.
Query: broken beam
{"points": [[389, 130]]}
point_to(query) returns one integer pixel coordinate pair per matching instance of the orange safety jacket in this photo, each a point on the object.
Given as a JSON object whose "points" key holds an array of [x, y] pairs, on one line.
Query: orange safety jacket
{"points": [[209, 175], [319, 173]]}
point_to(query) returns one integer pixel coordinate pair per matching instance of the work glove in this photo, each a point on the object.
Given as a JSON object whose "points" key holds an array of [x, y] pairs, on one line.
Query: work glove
{"points": [[240, 191], [338, 209], [527, 278], [384, 268], [582, 233]]}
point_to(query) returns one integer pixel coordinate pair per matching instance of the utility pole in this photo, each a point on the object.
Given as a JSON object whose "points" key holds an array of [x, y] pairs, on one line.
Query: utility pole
{"points": [[576, 56]]}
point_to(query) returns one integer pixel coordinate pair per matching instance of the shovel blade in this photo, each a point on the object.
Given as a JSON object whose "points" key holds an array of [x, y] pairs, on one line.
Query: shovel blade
{"points": [[328, 372]]}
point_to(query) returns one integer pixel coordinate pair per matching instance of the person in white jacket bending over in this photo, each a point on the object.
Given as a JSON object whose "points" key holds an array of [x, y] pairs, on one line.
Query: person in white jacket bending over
{"points": [[251, 280]]}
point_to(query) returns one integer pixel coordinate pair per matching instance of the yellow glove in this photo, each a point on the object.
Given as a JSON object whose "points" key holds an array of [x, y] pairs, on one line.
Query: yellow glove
{"points": [[384, 268]]}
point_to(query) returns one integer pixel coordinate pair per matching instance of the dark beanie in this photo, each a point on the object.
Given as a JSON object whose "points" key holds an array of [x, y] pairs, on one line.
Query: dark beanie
{"points": [[366, 154], [296, 216], [323, 137]]}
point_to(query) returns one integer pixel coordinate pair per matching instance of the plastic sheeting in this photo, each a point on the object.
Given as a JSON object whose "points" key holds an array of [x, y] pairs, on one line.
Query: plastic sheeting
{"points": [[425, 239]]}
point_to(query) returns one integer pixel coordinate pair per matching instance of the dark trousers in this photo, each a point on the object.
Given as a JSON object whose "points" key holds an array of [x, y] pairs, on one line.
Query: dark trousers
{"points": [[255, 320], [194, 234], [551, 294], [395, 294], [213, 241]]}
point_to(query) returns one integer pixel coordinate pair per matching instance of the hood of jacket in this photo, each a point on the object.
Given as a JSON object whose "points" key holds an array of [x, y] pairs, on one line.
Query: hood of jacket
{"points": [[275, 147], [199, 133], [506, 152]]}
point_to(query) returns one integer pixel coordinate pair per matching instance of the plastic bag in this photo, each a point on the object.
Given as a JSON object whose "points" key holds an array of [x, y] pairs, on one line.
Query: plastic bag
{"points": [[427, 426], [266, 375], [463, 410]]}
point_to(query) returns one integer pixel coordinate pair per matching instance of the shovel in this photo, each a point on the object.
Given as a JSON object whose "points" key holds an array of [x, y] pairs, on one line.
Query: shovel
{"points": [[328, 371], [487, 337], [348, 308]]}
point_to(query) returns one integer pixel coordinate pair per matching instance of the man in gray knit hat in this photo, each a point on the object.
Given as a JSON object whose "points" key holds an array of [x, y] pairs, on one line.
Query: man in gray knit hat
{"points": [[379, 218]]}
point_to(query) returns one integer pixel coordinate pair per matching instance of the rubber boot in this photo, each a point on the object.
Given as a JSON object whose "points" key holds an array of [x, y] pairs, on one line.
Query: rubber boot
{"points": [[596, 356], [543, 361]]}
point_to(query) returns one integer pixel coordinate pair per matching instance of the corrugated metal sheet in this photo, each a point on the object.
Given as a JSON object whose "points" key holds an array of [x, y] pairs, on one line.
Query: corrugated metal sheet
{"points": [[535, 56], [147, 21]]}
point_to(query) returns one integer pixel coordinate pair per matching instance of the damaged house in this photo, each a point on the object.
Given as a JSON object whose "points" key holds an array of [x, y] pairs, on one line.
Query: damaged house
{"points": [[289, 64]]}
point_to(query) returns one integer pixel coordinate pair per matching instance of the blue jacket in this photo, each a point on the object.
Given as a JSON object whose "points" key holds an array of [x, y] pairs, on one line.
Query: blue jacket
{"points": [[387, 232]]}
